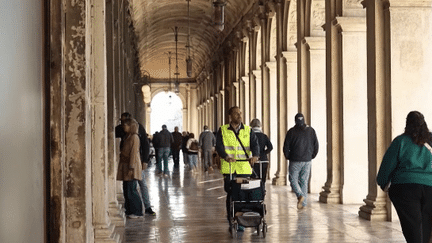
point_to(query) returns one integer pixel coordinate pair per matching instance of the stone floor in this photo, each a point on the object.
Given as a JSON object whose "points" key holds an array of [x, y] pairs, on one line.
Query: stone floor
{"points": [[191, 208]]}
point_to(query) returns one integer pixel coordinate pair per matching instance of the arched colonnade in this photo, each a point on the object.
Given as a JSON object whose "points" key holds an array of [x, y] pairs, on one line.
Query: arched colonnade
{"points": [[354, 68]]}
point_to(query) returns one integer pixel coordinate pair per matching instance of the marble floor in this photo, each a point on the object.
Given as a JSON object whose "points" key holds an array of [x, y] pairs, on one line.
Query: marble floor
{"points": [[191, 208]]}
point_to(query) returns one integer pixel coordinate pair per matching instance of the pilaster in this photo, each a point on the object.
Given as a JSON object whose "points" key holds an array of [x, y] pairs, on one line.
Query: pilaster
{"points": [[273, 115]]}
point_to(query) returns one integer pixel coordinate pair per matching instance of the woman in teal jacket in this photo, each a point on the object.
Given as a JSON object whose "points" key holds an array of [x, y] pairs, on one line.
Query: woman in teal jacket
{"points": [[407, 164]]}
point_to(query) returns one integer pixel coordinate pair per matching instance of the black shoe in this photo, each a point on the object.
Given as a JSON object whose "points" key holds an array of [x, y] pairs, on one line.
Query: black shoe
{"points": [[149, 211]]}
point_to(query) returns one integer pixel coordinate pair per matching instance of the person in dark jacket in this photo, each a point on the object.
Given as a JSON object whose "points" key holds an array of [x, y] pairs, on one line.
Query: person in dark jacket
{"points": [[407, 165], [265, 148], [176, 146], [300, 147], [184, 149], [163, 140]]}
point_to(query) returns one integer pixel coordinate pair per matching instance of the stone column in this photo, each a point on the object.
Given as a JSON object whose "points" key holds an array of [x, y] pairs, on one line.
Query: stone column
{"points": [[354, 75], [379, 111], [258, 94], [194, 111], [246, 112], [292, 84], [222, 107], [103, 229], [333, 187], [273, 115], [280, 178], [211, 114], [237, 93], [303, 61], [77, 124], [264, 78], [316, 46], [189, 108]]}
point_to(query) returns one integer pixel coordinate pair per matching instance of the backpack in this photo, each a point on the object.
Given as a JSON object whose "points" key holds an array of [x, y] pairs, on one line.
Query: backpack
{"points": [[194, 145]]}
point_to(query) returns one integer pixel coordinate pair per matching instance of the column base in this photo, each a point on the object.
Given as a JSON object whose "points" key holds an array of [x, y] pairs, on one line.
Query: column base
{"points": [[116, 214], [279, 181], [330, 195], [106, 234], [375, 209]]}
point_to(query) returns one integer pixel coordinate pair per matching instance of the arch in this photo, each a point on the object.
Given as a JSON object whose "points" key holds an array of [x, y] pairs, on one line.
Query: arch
{"points": [[171, 106], [163, 89]]}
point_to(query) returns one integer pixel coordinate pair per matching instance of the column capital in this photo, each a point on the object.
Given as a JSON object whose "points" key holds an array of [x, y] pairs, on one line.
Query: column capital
{"points": [[245, 79], [236, 84], [290, 56], [212, 98], [257, 73], [271, 65], [315, 43], [351, 24]]}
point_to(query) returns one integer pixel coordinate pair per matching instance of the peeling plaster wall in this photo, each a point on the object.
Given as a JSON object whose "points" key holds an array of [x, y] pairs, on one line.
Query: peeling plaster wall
{"points": [[21, 121]]}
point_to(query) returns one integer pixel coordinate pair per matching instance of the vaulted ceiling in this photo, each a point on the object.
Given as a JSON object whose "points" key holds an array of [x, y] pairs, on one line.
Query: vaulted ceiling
{"points": [[155, 20]]}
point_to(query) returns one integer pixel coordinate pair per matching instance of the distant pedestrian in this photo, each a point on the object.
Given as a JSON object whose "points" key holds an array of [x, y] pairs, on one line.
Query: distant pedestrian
{"points": [[192, 146], [407, 166], [300, 147], [184, 149], [163, 140], [176, 146], [207, 142], [265, 148]]}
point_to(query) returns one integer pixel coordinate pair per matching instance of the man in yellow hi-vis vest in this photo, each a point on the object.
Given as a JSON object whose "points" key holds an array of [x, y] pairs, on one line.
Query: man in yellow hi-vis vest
{"points": [[232, 152]]}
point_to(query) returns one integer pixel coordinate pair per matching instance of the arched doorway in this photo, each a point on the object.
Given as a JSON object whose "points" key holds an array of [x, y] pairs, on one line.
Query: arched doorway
{"points": [[166, 108]]}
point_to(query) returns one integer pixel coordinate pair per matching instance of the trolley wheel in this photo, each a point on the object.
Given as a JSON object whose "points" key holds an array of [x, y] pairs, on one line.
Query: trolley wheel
{"points": [[264, 230], [234, 230], [259, 229]]}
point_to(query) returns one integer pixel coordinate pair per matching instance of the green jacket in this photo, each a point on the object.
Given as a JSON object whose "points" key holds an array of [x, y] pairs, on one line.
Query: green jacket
{"points": [[405, 162]]}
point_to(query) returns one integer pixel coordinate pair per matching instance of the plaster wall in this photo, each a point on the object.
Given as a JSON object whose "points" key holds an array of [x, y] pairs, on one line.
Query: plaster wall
{"points": [[411, 61], [21, 121]]}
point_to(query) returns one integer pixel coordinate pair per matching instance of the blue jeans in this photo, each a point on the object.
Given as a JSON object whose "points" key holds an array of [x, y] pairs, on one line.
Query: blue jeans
{"points": [[163, 153], [133, 204], [144, 191], [193, 160], [299, 173]]}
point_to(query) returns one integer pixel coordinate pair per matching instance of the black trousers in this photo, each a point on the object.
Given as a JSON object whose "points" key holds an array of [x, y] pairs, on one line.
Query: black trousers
{"points": [[227, 188], [413, 203], [176, 157]]}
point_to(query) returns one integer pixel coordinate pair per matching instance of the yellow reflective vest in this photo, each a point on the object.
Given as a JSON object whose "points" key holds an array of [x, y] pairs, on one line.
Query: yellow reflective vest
{"points": [[235, 150]]}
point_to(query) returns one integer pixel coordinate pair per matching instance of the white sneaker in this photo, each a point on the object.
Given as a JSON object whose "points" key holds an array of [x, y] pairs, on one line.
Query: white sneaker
{"points": [[133, 216]]}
